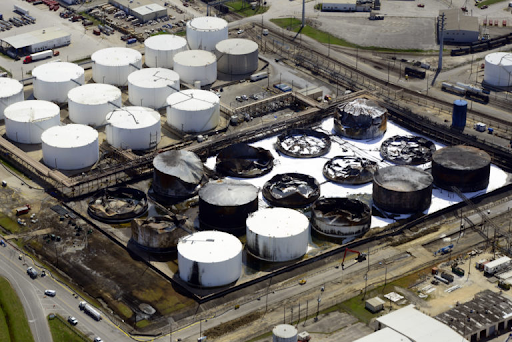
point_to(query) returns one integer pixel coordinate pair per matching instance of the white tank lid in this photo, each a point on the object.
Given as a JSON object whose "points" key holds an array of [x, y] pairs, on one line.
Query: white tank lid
{"points": [[9, 87], [154, 78], [207, 24], [133, 117], [193, 100], [94, 93], [163, 42], [209, 246], [499, 58], [57, 72], [277, 222], [236, 46], [195, 58], [285, 331], [69, 136], [116, 56], [31, 110]]}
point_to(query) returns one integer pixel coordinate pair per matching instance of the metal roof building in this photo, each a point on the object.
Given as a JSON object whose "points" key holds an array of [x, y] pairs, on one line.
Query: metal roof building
{"points": [[418, 327], [458, 27], [386, 334], [143, 10], [39, 40]]}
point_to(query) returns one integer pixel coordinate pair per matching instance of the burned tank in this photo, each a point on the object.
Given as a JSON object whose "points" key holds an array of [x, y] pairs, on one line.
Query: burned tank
{"points": [[407, 150], [291, 190], [341, 217], [244, 161], [160, 233], [117, 205], [349, 170], [360, 119], [303, 143]]}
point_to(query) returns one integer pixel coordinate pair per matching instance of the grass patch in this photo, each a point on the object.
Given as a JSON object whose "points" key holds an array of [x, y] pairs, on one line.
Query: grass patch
{"points": [[81, 60], [95, 22], [4, 329], [63, 332], [13, 315], [123, 309], [245, 9], [181, 33], [142, 324], [8, 73], [488, 2], [9, 224], [293, 24]]}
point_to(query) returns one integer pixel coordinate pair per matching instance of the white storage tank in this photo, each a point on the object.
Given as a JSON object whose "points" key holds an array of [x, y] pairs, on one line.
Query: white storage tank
{"points": [[136, 128], [25, 121], [284, 333], [210, 258], [160, 50], [498, 69], [70, 147], [89, 104], [277, 234], [150, 87], [11, 91], [204, 33], [237, 56], [193, 110], [113, 65], [53, 81], [196, 66]]}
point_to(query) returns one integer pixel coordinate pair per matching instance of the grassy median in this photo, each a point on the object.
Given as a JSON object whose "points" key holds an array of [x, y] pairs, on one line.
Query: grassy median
{"points": [[13, 322]]}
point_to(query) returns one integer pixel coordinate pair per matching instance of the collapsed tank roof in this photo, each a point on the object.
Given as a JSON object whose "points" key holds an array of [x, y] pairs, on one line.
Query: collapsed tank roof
{"points": [[362, 106], [402, 178], [294, 190], [350, 170], [407, 150], [228, 193], [242, 160], [181, 164], [303, 143]]}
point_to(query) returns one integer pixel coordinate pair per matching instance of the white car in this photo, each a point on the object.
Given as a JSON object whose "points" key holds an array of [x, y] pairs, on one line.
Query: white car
{"points": [[72, 320], [98, 339], [240, 31], [50, 293]]}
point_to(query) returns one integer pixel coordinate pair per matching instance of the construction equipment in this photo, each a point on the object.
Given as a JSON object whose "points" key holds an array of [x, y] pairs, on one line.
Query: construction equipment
{"points": [[360, 256], [444, 250]]}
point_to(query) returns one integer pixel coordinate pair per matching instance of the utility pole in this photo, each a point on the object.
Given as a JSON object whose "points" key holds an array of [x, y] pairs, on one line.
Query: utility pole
{"points": [[441, 43], [307, 305]]}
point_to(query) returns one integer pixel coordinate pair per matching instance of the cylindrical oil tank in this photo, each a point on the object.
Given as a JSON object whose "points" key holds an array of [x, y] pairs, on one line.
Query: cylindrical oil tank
{"points": [[25, 121], [89, 104], [160, 50], [196, 66], [210, 258], [402, 189], [498, 69], [361, 119], [113, 65], [203, 33], [459, 113], [193, 110], [159, 233], [464, 167], [151, 87], [277, 234], [177, 174], [11, 91], [70, 147], [53, 81], [244, 161], [341, 217], [237, 56], [284, 333], [224, 205], [136, 128]]}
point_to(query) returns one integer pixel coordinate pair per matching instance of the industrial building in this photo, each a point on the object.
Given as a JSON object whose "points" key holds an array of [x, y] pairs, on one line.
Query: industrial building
{"points": [[458, 27], [347, 6], [39, 40], [142, 10], [488, 313]]}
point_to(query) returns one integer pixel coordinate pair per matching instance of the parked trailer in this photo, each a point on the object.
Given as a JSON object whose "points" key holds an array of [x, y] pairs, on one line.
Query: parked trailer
{"points": [[22, 210], [20, 10], [38, 56], [259, 76], [450, 88], [497, 265], [441, 279], [90, 310], [415, 73]]}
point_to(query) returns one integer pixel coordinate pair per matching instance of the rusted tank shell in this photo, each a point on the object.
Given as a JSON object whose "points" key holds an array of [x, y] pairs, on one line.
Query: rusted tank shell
{"points": [[360, 119], [115, 205], [177, 174], [277, 234], [160, 233], [245, 161], [464, 167], [350, 170], [224, 205], [402, 189], [341, 217], [292, 190], [407, 150], [303, 143]]}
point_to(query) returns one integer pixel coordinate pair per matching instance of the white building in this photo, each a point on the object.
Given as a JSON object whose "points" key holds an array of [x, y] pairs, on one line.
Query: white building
{"points": [[144, 10], [458, 27], [347, 6], [34, 41]]}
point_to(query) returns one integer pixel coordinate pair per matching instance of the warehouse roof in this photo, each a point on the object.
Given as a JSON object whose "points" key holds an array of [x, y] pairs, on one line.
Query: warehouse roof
{"points": [[386, 334], [337, 2], [486, 309], [147, 9], [39, 36], [455, 20], [419, 327]]}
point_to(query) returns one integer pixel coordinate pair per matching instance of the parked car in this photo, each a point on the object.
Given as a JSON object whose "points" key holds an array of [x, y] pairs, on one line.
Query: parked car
{"points": [[421, 5], [244, 97], [484, 7], [240, 31], [72, 320], [98, 339]]}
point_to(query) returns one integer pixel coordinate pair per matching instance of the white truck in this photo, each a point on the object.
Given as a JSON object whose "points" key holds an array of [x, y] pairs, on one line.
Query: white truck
{"points": [[90, 310], [20, 10]]}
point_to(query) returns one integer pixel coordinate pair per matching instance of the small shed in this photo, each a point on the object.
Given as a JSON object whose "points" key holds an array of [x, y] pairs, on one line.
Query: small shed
{"points": [[374, 304]]}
